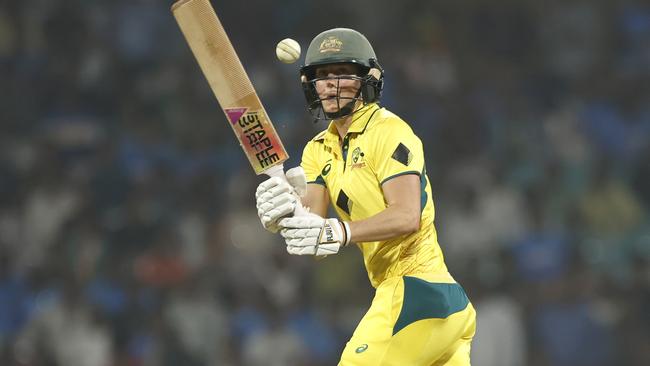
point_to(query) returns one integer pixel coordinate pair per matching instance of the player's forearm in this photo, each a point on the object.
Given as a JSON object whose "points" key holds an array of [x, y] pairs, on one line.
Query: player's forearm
{"points": [[394, 221], [316, 199]]}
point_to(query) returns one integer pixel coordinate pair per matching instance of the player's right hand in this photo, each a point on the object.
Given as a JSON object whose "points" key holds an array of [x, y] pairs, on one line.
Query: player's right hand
{"points": [[276, 198]]}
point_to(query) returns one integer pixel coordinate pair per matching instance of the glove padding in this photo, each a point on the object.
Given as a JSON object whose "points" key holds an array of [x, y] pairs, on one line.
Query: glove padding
{"points": [[275, 198], [314, 235]]}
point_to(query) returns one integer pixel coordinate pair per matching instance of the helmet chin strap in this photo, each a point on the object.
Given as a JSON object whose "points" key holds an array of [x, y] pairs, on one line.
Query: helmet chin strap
{"points": [[346, 110]]}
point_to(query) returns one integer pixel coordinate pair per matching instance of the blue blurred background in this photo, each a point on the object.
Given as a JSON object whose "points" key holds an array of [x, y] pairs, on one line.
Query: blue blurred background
{"points": [[128, 233]]}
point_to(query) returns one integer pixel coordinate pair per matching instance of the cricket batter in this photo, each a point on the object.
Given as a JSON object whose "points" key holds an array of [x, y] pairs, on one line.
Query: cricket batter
{"points": [[370, 166]]}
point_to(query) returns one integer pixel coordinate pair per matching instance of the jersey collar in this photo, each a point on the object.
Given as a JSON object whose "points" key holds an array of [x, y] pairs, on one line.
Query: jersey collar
{"points": [[359, 124]]}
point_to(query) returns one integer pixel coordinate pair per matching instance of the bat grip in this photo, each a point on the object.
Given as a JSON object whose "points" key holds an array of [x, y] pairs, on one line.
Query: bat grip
{"points": [[278, 171]]}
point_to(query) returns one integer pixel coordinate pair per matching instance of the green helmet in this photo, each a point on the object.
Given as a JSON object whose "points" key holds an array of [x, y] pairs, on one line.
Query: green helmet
{"points": [[341, 45]]}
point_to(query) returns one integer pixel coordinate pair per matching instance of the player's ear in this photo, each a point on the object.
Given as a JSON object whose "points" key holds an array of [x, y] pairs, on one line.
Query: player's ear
{"points": [[374, 72], [372, 86]]}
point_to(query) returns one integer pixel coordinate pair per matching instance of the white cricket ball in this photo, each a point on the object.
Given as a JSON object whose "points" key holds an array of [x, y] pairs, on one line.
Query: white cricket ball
{"points": [[288, 51]]}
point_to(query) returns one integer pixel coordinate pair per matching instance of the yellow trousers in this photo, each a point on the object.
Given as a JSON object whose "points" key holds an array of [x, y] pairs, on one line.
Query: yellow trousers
{"points": [[414, 320]]}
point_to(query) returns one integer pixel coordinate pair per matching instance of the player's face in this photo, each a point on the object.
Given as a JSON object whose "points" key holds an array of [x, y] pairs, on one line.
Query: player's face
{"points": [[336, 89]]}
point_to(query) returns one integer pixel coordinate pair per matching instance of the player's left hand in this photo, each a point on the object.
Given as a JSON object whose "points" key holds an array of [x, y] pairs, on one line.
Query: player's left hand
{"points": [[314, 235], [276, 198]]}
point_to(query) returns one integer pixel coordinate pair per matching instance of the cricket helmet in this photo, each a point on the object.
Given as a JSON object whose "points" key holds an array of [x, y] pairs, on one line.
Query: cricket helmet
{"points": [[336, 46]]}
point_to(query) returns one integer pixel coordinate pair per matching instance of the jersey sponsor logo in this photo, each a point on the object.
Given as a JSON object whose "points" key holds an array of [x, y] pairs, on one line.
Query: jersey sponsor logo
{"points": [[361, 348], [357, 159], [330, 44]]}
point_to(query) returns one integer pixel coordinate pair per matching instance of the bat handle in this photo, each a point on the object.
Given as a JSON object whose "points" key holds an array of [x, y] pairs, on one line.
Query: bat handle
{"points": [[278, 171]]}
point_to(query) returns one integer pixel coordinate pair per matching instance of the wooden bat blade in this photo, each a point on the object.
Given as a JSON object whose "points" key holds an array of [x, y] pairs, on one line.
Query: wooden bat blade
{"points": [[230, 84]]}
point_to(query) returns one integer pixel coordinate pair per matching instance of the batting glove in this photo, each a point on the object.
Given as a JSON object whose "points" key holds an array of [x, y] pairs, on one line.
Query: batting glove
{"points": [[277, 198], [314, 235]]}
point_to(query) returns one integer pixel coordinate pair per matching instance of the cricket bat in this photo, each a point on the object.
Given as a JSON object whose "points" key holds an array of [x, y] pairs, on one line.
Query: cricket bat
{"points": [[230, 84]]}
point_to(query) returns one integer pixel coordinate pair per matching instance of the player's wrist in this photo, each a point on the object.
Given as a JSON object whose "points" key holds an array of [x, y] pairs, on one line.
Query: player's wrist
{"points": [[347, 234]]}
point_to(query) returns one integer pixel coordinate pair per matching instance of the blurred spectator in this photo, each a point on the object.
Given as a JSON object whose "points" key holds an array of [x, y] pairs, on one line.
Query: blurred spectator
{"points": [[52, 199], [68, 332], [276, 345], [13, 291], [199, 321], [608, 205], [568, 326], [500, 338]]}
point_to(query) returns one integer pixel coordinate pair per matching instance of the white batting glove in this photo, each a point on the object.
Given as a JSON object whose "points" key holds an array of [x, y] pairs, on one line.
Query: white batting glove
{"points": [[314, 235], [297, 179], [275, 198]]}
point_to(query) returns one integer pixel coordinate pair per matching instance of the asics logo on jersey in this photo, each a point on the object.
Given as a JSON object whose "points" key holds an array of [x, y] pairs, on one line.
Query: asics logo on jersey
{"points": [[326, 169], [361, 348]]}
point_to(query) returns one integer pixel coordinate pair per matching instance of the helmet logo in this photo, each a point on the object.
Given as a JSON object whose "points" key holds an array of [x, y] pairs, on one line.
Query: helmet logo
{"points": [[330, 44]]}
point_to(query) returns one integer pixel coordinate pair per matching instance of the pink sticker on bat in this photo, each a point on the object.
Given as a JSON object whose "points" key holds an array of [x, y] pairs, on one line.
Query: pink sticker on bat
{"points": [[234, 114]]}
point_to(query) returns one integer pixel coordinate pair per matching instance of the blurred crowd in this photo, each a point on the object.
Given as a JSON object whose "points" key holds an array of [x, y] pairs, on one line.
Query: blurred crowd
{"points": [[128, 233]]}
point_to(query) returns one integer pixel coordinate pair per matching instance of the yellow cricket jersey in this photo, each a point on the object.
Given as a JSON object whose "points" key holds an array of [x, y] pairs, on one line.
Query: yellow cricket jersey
{"points": [[379, 146]]}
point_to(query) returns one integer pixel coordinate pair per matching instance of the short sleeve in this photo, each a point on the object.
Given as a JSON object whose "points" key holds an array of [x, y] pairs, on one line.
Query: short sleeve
{"points": [[399, 151], [310, 164]]}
